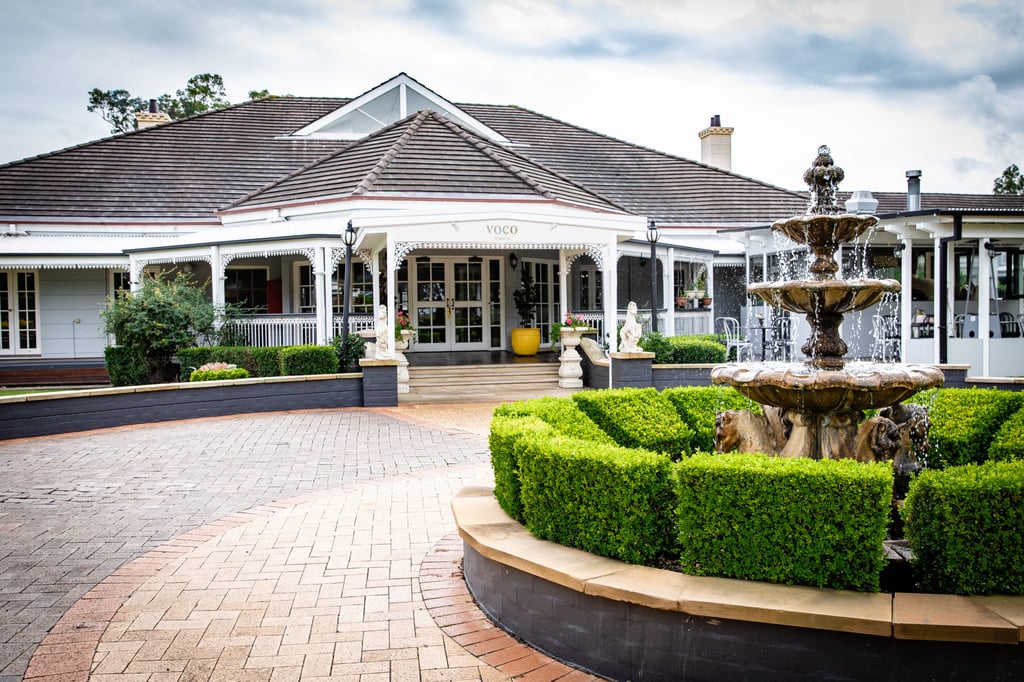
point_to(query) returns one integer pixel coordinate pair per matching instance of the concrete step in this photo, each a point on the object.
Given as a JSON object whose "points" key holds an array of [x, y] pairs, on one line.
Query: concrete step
{"points": [[483, 382]]}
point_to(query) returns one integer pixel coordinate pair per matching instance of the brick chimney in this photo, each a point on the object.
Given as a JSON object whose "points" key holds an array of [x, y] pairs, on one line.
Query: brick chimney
{"points": [[716, 144], [153, 117]]}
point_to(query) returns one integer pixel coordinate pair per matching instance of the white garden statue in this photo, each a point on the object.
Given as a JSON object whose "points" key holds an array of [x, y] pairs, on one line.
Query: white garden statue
{"points": [[385, 351], [629, 337]]}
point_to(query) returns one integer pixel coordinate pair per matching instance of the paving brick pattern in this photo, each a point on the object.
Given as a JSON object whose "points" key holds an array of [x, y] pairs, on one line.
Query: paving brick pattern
{"points": [[269, 547]]}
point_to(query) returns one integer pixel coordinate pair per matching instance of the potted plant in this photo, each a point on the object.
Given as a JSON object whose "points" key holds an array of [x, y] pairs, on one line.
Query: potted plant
{"points": [[404, 330], [526, 339], [681, 298]]}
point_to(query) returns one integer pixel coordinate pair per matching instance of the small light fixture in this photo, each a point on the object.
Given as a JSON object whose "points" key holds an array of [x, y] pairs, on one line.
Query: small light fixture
{"points": [[513, 260], [348, 237], [643, 261], [652, 231]]}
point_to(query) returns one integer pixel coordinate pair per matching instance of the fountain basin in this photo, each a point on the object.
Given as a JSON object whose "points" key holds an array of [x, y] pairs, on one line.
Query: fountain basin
{"points": [[825, 230], [824, 297], [795, 386]]}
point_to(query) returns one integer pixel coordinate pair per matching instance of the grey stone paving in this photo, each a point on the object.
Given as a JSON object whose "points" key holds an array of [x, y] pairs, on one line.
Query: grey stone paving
{"points": [[74, 508]]}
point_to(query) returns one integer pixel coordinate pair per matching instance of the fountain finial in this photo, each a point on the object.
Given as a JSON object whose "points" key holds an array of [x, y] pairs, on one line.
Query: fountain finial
{"points": [[823, 178]]}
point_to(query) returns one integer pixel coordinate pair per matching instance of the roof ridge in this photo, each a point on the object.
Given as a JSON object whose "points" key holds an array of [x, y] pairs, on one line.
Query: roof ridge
{"points": [[635, 145], [487, 151], [378, 169]]}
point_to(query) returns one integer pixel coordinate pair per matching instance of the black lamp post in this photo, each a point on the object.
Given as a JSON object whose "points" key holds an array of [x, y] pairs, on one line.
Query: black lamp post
{"points": [[652, 237], [348, 236]]}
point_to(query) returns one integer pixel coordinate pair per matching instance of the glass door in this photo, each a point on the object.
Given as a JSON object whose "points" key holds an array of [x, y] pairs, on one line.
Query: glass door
{"points": [[449, 309], [19, 314]]}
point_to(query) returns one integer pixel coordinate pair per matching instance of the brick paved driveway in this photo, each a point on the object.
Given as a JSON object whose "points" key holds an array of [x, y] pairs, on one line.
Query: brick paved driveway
{"points": [[75, 508]]}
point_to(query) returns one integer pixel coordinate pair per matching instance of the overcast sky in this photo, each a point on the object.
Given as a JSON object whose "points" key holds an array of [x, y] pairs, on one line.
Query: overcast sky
{"points": [[889, 85]]}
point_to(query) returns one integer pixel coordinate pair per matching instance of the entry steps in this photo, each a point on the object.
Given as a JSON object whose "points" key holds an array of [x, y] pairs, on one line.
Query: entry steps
{"points": [[477, 383]]}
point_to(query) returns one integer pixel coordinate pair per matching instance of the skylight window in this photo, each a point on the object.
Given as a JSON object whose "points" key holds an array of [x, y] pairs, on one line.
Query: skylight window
{"points": [[386, 104]]}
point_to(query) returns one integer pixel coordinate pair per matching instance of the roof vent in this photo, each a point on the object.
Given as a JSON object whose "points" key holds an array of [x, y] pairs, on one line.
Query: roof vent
{"points": [[861, 203], [913, 190], [716, 144]]}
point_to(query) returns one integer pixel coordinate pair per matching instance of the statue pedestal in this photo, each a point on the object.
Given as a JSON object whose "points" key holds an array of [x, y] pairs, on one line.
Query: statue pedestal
{"points": [[570, 372], [632, 369], [401, 345]]}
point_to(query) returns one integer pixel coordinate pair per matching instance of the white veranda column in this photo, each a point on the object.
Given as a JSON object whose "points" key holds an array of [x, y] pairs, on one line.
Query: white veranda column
{"points": [[610, 284], [322, 297]]}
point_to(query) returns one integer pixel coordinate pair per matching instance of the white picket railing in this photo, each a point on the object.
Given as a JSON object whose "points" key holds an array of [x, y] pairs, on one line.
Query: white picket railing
{"points": [[264, 331]]}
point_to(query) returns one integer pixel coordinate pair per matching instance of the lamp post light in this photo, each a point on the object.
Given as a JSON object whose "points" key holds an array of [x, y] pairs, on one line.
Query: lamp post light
{"points": [[652, 237], [348, 236]]}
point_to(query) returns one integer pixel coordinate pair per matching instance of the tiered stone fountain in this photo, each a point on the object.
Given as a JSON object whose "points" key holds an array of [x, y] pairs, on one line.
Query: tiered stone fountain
{"points": [[815, 408]]}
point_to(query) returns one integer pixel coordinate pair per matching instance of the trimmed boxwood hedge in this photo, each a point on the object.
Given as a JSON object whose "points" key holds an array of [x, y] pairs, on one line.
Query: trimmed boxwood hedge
{"points": [[684, 350], [600, 498], [299, 360], [563, 414], [1008, 443], [697, 406], [637, 418], [219, 374], [965, 526], [792, 521], [964, 422], [505, 437], [125, 366]]}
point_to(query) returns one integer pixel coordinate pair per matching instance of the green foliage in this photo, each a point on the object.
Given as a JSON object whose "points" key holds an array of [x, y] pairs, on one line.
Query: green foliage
{"points": [[505, 439], [563, 414], [202, 92], [349, 353], [603, 499], [259, 362], [164, 315], [299, 360], [695, 349], [1010, 182], [1008, 443], [964, 422], [791, 521], [266, 362], [526, 297], [125, 366], [218, 374], [698, 406], [964, 525], [637, 418]]}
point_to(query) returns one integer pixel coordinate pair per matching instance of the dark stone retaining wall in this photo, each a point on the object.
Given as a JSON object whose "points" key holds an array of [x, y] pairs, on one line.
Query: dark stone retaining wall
{"points": [[103, 408], [625, 641]]}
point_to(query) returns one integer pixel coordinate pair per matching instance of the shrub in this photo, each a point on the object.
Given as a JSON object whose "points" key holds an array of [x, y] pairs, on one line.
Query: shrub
{"points": [[1008, 443], [603, 499], [563, 414], [266, 361], [698, 406], [637, 418], [964, 421], [792, 521], [125, 366], [505, 436], [218, 374], [683, 350], [688, 350], [964, 525], [191, 359], [348, 356], [164, 315], [299, 360]]}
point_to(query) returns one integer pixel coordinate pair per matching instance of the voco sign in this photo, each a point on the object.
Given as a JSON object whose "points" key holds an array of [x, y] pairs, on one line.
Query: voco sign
{"points": [[502, 230]]}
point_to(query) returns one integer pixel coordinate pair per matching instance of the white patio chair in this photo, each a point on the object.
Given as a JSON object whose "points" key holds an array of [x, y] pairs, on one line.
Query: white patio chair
{"points": [[734, 338], [886, 342]]}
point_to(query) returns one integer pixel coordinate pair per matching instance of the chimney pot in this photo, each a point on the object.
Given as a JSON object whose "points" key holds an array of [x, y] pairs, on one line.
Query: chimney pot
{"points": [[716, 144]]}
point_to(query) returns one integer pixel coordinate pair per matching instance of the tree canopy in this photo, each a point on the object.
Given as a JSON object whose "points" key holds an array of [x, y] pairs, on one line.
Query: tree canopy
{"points": [[202, 92], [1010, 182]]}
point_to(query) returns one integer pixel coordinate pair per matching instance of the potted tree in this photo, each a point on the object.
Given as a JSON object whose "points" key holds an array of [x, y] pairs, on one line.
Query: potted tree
{"points": [[526, 339]]}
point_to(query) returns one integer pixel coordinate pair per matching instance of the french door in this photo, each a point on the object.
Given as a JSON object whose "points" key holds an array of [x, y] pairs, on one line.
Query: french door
{"points": [[450, 301], [19, 313]]}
